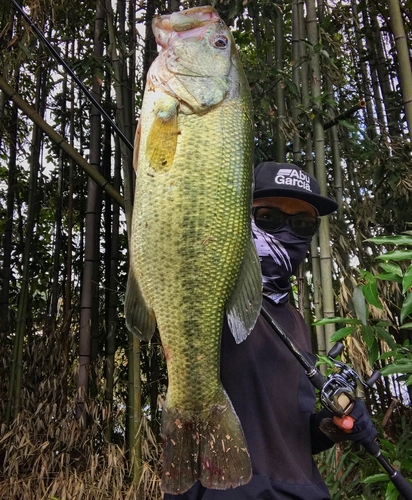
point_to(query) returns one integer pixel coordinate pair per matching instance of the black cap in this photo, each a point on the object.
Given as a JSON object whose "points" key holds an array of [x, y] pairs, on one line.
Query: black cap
{"points": [[290, 181]]}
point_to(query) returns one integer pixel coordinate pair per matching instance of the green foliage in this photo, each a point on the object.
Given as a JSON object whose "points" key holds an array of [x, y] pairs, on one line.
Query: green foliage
{"points": [[351, 473]]}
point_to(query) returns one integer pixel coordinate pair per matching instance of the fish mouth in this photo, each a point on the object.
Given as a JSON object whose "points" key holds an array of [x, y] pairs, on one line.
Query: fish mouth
{"points": [[190, 23]]}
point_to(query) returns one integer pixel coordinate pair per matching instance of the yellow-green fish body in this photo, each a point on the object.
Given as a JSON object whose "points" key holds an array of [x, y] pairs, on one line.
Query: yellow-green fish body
{"points": [[192, 255]]}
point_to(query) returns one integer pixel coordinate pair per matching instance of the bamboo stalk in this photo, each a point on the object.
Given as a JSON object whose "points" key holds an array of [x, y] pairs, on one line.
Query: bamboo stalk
{"points": [[279, 89], [320, 167], [296, 78], [127, 157], [366, 83], [405, 71], [24, 290], [314, 247], [346, 114], [88, 302], [112, 302], [381, 64], [51, 320], [61, 143], [69, 258]]}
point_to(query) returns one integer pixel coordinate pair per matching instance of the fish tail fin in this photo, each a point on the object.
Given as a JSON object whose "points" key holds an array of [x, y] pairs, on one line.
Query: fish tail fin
{"points": [[209, 446]]}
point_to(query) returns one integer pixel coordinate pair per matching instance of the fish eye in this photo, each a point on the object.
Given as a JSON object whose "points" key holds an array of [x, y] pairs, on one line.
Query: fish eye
{"points": [[220, 42]]}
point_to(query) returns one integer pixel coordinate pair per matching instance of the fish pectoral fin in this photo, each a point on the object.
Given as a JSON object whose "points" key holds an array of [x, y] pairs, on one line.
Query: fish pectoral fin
{"points": [[140, 318], [243, 306], [162, 137]]}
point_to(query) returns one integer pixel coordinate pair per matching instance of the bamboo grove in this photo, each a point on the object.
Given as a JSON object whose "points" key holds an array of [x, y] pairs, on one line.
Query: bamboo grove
{"points": [[81, 399]]}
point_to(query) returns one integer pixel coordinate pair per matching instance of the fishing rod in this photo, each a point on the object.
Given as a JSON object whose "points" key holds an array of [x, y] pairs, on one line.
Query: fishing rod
{"points": [[61, 61], [338, 394]]}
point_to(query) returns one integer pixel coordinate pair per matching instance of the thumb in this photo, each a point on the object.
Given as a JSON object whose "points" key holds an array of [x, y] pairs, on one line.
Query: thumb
{"points": [[345, 423]]}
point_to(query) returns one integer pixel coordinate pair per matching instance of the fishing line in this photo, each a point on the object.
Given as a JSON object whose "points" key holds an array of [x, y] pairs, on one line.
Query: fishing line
{"points": [[61, 61]]}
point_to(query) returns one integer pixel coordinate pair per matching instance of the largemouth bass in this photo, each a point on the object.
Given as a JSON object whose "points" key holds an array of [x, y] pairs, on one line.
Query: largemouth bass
{"points": [[192, 255]]}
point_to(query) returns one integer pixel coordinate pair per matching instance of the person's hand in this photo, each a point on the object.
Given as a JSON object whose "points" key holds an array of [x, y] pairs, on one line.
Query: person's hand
{"points": [[357, 426]]}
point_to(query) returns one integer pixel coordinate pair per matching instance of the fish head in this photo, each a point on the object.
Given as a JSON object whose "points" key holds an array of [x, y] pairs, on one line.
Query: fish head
{"points": [[196, 59]]}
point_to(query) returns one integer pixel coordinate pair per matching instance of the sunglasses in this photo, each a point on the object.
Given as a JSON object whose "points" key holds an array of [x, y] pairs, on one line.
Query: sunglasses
{"points": [[272, 219]]}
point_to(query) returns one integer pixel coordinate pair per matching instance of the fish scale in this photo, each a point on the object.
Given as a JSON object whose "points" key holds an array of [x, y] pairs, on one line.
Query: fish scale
{"points": [[192, 255]]}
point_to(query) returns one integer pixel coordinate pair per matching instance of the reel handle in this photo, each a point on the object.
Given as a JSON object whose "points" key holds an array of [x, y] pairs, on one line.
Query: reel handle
{"points": [[336, 350], [376, 375]]}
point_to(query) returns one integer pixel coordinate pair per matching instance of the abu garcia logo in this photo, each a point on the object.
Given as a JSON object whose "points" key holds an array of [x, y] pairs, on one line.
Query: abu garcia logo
{"points": [[291, 177]]}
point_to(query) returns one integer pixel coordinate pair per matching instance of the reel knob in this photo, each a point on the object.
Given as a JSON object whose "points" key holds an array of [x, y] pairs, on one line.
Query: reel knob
{"points": [[376, 375], [336, 350]]}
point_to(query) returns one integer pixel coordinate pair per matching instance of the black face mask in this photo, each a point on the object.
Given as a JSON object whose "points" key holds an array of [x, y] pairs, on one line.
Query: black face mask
{"points": [[280, 255]]}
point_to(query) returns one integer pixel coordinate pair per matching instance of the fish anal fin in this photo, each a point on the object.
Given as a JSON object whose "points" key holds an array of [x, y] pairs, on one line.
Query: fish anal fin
{"points": [[162, 138], [140, 318], [243, 306]]}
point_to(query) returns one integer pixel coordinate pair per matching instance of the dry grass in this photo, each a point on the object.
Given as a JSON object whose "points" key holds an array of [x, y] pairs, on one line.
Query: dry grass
{"points": [[47, 453]]}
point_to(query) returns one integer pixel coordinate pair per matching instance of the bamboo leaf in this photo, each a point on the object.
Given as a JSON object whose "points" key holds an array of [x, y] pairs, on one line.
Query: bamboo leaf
{"points": [[407, 279], [368, 336], [342, 333], [391, 267], [359, 304], [370, 292], [389, 277], [348, 321], [406, 307], [387, 355], [376, 478], [396, 255], [386, 336], [374, 352], [348, 125], [398, 367], [405, 326], [392, 240]]}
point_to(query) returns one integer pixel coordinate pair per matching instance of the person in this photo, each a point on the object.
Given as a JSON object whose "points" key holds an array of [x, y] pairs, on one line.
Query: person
{"points": [[268, 387]]}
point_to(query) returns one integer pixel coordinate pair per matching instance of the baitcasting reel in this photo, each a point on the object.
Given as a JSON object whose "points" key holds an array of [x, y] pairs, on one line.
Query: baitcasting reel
{"points": [[338, 393]]}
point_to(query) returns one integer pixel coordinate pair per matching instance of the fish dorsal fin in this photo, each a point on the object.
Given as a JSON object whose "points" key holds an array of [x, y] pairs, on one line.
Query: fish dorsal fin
{"points": [[243, 306], [140, 318], [162, 137], [137, 145]]}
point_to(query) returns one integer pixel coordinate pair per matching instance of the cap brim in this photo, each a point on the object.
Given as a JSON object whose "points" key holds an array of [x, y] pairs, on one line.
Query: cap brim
{"points": [[323, 205]]}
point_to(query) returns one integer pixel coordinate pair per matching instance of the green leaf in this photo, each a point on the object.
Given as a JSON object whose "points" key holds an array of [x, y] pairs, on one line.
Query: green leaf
{"points": [[388, 354], [397, 367], [389, 277], [370, 292], [391, 492], [325, 360], [392, 240], [368, 276], [359, 304], [373, 352], [327, 321], [405, 326], [367, 335], [350, 126], [396, 255], [406, 307], [409, 381], [376, 478], [407, 279], [391, 267], [342, 333], [386, 336]]}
